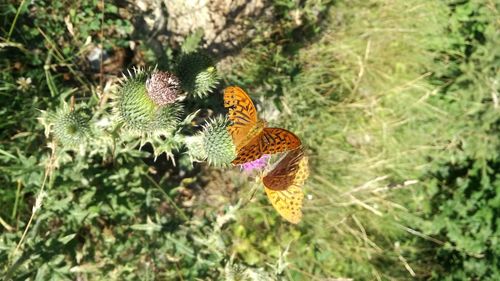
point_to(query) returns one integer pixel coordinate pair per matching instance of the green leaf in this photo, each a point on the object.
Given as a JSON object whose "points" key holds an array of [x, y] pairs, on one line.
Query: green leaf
{"points": [[67, 238]]}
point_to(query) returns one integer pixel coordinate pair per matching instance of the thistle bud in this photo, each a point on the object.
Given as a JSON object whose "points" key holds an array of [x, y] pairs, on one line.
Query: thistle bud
{"points": [[198, 74], [71, 128], [141, 112], [218, 143]]}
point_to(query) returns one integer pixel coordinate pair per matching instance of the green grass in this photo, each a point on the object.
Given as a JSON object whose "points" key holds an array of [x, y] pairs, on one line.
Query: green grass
{"points": [[396, 103], [377, 118], [360, 105]]}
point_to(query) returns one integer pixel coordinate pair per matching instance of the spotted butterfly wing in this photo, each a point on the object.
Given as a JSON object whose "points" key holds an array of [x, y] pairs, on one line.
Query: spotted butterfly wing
{"points": [[269, 141], [288, 202], [242, 115], [283, 174], [250, 137]]}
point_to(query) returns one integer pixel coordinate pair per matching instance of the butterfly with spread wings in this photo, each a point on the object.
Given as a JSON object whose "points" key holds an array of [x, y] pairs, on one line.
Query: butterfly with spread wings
{"points": [[250, 135]]}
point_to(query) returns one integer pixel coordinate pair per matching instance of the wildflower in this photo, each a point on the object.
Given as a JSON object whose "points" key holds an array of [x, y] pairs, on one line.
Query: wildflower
{"points": [[258, 164], [24, 84], [143, 108], [163, 87]]}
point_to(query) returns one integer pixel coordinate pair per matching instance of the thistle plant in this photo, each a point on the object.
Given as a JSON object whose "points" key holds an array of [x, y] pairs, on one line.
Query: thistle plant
{"points": [[198, 74], [146, 102], [149, 103], [163, 87], [69, 127], [256, 165], [217, 143], [196, 149], [147, 107]]}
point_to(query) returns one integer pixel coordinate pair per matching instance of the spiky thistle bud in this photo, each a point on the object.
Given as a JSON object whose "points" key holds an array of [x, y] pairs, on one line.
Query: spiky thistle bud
{"points": [[70, 128], [139, 112], [198, 74], [218, 143], [163, 87]]}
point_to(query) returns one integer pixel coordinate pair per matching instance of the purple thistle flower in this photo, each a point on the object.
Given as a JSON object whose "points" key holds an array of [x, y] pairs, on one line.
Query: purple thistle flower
{"points": [[163, 87], [258, 164]]}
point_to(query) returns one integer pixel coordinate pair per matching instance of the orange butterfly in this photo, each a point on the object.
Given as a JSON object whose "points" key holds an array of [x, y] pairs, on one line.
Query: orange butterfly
{"points": [[249, 133], [283, 185]]}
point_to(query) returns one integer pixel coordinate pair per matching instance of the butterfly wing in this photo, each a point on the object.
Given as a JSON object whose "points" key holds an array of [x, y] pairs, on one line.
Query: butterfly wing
{"points": [[269, 141], [282, 175], [242, 114], [288, 202]]}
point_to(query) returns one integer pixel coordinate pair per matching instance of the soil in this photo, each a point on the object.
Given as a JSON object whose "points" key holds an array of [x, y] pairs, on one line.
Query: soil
{"points": [[225, 23]]}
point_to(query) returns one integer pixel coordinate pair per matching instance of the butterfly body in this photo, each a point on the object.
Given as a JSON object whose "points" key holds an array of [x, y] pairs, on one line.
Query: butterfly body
{"points": [[252, 133]]}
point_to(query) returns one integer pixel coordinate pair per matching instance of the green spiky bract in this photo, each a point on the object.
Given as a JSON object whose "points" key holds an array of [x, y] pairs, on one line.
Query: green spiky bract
{"points": [[196, 148], [139, 113], [198, 74], [165, 144], [218, 143], [70, 128]]}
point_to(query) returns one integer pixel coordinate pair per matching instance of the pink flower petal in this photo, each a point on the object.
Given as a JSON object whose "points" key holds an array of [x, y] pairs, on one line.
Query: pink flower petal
{"points": [[258, 164]]}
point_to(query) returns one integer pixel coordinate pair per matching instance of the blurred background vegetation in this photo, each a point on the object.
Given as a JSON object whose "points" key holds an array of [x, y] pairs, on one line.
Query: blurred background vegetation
{"points": [[395, 101]]}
